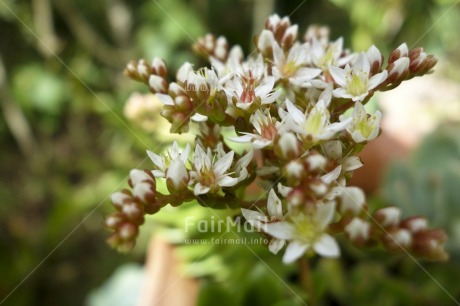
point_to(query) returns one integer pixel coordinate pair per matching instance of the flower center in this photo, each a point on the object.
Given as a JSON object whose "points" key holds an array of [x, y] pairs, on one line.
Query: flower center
{"points": [[207, 177], [306, 228], [289, 69], [357, 84]]}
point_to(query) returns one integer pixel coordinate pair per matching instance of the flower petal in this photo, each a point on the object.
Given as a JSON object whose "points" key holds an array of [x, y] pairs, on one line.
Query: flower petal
{"points": [[276, 245], [327, 246], [223, 163], [157, 160], [324, 214], [338, 75], [294, 251], [280, 230], [274, 206]]}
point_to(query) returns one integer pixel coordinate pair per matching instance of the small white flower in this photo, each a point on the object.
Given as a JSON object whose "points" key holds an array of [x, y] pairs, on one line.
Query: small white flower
{"points": [[325, 55], [163, 161], [354, 81], [306, 232], [210, 175], [258, 220], [244, 91], [315, 122], [293, 67], [364, 127], [266, 129]]}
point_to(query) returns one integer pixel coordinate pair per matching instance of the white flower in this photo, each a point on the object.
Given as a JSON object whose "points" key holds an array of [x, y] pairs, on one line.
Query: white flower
{"points": [[210, 175], [364, 127], [266, 129], [293, 67], [244, 91], [259, 220], [354, 82], [162, 162], [306, 232], [325, 55], [333, 150], [314, 123]]}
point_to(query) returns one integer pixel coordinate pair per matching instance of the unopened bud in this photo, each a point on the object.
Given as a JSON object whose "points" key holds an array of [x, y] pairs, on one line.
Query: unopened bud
{"points": [[159, 68], [415, 224], [177, 177], [398, 69], [287, 146], [265, 42], [388, 216], [158, 84], [128, 231], [352, 200], [375, 59], [358, 231], [401, 51], [290, 36], [119, 198], [144, 192], [316, 162]]}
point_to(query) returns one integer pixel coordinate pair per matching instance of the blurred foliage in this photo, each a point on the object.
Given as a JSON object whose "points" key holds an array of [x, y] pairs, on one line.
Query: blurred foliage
{"points": [[66, 147]]}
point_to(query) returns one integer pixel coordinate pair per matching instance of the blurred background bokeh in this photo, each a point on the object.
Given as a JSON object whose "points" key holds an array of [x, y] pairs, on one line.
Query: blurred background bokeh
{"points": [[66, 145]]}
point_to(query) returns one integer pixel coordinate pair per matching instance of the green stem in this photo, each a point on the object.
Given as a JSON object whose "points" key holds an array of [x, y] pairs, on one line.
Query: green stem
{"points": [[306, 280]]}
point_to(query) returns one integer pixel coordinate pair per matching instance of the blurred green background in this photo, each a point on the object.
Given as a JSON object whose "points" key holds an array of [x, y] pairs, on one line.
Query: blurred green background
{"points": [[66, 145]]}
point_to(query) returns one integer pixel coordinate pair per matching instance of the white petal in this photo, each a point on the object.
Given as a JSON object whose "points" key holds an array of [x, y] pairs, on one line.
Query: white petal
{"points": [[352, 163], [137, 176], [332, 176], [278, 54], [362, 63], [294, 251], [242, 139], [265, 87], [158, 173], [200, 189], [166, 99], [274, 206], [199, 118], [252, 215], [223, 163], [157, 160], [276, 245], [295, 113], [377, 79], [280, 230], [324, 214], [341, 93], [227, 181], [327, 246], [338, 75]]}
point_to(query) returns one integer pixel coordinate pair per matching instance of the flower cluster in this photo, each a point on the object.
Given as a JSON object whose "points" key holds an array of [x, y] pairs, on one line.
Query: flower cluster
{"points": [[289, 104]]}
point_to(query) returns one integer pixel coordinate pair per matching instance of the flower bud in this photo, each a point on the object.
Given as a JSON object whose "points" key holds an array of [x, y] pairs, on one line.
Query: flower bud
{"points": [[352, 201], [316, 162], [128, 231], [119, 198], [137, 176], [398, 240], [177, 177], [398, 70], [133, 212], [388, 217], [144, 192], [358, 231], [287, 146], [159, 68], [415, 224], [182, 73], [265, 42], [158, 84], [401, 51], [290, 36], [114, 220], [375, 59]]}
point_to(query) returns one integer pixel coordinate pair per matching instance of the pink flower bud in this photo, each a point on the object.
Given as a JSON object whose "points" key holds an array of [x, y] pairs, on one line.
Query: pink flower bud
{"points": [[401, 51]]}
